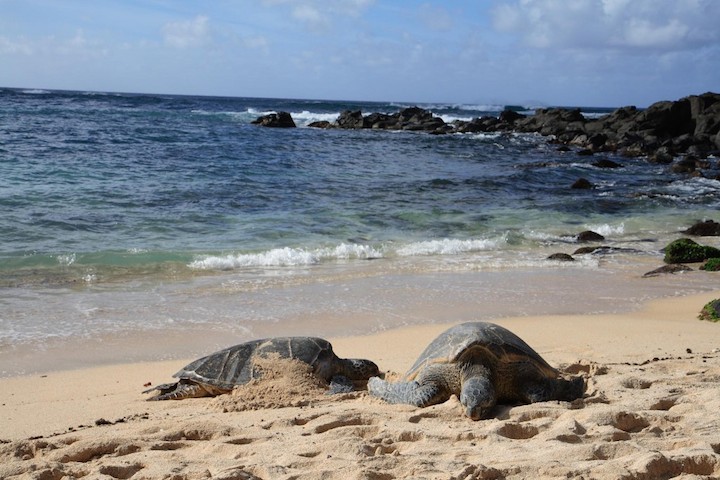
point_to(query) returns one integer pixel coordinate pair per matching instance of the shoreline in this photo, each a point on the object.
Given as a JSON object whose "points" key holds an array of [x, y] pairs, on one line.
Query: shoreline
{"points": [[192, 319], [649, 412]]}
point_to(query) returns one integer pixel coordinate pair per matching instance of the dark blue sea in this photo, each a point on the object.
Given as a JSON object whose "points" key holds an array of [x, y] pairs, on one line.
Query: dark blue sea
{"points": [[130, 214]]}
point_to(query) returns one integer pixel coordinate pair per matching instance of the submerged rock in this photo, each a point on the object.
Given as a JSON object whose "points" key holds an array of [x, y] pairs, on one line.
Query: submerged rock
{"points": [[561, 257], [668, 269], [708, 228], [606, 163], [589, 236], [582, 184]]}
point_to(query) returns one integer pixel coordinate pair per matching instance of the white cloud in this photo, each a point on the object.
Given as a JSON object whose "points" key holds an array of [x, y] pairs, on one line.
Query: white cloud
{"points": [[311, 16], [319, 15], [189, 33], [614, 7], [15, 47], [641, 33], [78, 46], [660, 25]]}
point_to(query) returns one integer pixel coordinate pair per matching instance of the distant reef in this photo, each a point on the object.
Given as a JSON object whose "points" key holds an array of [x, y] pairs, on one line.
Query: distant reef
{"points": [[682, 132]]}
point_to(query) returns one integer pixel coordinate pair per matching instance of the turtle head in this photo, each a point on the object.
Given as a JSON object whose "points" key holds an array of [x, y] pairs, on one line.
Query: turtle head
{"points": [[477, 396], [360, 369]]}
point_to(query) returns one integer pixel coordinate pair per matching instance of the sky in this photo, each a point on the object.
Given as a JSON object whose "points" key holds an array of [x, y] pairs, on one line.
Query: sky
{"points": [[604, 53]]}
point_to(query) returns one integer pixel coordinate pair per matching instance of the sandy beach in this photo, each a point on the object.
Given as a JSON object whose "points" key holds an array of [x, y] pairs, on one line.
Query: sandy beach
{"points": [[650, 411]]}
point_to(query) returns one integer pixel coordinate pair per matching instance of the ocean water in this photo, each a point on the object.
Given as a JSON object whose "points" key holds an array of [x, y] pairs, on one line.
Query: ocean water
{"points": [[128, 215]]}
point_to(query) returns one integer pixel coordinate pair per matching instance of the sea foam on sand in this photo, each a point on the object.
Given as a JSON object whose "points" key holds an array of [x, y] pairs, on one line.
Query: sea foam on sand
{"points": [[650, 411]]}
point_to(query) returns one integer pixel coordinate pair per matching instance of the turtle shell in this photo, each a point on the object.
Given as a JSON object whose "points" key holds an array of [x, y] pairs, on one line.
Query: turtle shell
{"points": [[502, 345], [236, 365]]}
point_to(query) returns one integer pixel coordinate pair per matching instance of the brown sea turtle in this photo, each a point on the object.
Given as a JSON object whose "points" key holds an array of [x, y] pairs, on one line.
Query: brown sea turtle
{"points": [[221, 371], [483, 364]]}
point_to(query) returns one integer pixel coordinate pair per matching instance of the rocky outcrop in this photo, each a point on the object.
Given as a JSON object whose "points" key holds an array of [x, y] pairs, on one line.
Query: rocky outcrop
{"points": [[679, 133], [413, 119], [276, 120], [687, 128], [350, 119]]}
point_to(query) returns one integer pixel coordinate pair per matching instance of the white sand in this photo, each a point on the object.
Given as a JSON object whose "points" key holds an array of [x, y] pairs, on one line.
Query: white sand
{"points": [[641, 418]]}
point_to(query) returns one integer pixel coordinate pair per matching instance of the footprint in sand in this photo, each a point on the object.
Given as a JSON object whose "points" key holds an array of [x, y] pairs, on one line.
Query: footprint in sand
{"points": [[349, 421], [517, 431], [121, 471], [636, 383], [84, 451]]}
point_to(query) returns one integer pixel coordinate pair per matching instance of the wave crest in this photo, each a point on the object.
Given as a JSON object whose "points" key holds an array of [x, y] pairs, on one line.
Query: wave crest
{"points": [[298, 257], [285, 257]]}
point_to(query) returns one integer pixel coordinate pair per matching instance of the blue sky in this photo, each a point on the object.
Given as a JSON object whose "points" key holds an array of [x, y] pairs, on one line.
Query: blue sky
{"points": [[552, 52]]}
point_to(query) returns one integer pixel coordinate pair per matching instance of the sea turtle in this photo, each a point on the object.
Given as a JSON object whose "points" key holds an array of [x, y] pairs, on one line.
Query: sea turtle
{"points": [[219, 372], [483, 364]]}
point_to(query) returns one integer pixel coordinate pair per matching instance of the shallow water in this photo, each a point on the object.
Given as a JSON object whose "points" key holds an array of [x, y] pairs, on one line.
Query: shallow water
{"points": [[66, 328]]}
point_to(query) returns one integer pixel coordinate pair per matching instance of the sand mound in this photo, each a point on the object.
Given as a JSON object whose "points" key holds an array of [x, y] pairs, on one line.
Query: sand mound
{"points": [[655, 419], [283, 383]]}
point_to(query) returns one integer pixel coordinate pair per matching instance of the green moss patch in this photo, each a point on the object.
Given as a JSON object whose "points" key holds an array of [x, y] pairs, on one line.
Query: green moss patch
{"points": [[711, 311], [712, 265], [685, 250]]}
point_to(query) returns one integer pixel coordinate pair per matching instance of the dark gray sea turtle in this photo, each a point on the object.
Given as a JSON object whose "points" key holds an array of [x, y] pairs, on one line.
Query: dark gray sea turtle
{"points": [[219, 372], [483, 364]]}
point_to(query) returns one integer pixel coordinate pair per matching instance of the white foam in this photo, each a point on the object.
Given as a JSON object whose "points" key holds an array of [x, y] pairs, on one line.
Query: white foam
{"points": [[350, 251], [286, 257], [484, 135], [482, 108], [607, 230], [255, 111], [298, 257], [66, 260], [280, 257], [447, 246], [305, 117], [451, 118]]}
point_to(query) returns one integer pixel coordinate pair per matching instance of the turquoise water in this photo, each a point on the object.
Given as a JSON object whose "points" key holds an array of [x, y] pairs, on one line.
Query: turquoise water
{"points": [[113, 203]]}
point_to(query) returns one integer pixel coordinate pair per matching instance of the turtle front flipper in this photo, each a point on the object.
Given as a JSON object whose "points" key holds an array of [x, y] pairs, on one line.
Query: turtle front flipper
{"points": [[340, 384], [555, 389], [411, 393]]}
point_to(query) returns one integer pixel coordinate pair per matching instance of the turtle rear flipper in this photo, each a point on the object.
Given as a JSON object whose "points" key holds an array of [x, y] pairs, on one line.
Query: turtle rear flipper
{"points": [[162, 388], [183, 389]]}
